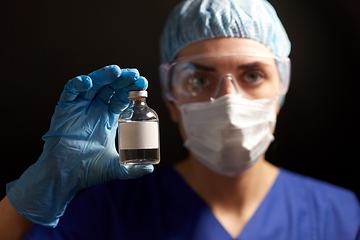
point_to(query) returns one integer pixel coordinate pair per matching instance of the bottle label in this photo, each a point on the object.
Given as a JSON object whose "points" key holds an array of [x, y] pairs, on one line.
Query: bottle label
{"points": [[138, 135]]}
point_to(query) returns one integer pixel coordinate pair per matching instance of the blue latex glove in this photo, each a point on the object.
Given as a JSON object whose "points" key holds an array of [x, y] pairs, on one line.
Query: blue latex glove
{"points": [[79, 149]]}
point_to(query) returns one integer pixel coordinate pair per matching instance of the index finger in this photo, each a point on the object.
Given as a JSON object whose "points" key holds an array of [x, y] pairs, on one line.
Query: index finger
{"points": [[101, 78], [75, 86], [127, 78]]}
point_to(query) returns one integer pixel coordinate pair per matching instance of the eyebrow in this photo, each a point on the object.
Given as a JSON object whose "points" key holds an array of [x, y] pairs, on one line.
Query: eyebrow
{"points": [[252, 65], [203, 67], [241, 67]]}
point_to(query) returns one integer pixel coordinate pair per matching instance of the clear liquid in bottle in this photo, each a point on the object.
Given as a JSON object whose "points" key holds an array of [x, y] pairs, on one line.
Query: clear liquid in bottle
{"points": [[140, 156]]}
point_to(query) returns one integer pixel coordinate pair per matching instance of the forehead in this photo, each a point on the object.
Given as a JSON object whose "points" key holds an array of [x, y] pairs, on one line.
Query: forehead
{"points": [[227, 61], [223, 44]]}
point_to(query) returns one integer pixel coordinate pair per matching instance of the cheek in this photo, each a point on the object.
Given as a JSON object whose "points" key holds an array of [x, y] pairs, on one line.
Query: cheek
{"points": [[181, 126], [175, 115], [277, 110]]}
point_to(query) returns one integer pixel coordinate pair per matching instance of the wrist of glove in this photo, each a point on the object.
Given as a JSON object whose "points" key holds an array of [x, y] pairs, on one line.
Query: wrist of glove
{"points": [[79, 150]]}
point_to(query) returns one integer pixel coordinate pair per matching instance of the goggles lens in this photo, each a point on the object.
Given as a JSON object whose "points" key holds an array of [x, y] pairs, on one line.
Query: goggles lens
{"points": [[202, 78]]}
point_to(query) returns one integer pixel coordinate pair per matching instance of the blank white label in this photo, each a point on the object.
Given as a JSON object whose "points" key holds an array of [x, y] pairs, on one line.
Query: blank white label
{"points": [[138, 135]]}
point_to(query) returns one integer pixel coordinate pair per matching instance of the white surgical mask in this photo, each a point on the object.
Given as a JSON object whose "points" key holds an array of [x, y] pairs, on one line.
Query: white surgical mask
{"points": [[229, 134]]}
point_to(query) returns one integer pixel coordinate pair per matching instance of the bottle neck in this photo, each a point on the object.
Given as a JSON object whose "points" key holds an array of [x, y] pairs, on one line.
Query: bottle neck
{"points": [[137, 98], [138, 101]]}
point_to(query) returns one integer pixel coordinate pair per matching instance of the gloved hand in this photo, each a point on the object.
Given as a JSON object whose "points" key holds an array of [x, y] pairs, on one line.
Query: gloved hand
{"points": [[79, 148]]}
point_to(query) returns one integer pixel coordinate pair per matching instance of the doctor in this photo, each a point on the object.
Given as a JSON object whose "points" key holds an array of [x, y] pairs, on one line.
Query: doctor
{"points": [[224, 75]]}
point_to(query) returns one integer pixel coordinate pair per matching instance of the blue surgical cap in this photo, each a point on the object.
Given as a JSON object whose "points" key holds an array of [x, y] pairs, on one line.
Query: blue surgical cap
{"points": [[196, 20]]}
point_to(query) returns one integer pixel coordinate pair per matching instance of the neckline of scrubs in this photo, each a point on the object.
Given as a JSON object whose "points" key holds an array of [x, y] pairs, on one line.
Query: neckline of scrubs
{"points": [[249, 227]]}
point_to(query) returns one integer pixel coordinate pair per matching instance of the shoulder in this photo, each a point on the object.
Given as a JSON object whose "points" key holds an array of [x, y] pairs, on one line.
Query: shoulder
{"points": [[114, 208], [319, 190], [333, 209]]}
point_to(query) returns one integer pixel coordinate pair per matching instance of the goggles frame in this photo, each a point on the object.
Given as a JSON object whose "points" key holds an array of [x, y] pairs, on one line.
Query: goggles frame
{"points": [[283, 67]]}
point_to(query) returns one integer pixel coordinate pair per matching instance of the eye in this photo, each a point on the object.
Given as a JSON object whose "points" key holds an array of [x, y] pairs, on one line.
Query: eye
{"points": [[196, 84], [254, 77], [195, 81]]}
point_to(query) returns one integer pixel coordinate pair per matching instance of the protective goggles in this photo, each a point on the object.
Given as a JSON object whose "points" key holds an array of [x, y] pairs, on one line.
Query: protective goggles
{"points": [[205, 77]]}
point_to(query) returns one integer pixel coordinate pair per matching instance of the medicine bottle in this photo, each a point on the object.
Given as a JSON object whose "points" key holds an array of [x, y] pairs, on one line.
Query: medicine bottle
{"points": [[139, 132]]}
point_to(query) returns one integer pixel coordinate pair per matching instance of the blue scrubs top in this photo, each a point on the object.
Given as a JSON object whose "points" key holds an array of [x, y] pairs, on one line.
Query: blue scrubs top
{"points": [[162, 206]]}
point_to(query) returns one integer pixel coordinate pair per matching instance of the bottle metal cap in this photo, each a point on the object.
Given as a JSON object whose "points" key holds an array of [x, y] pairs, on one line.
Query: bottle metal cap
{"points": [[142, 93]]}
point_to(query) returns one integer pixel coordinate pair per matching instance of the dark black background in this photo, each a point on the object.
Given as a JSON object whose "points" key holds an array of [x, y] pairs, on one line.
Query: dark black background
{"points": [[46, 43]]}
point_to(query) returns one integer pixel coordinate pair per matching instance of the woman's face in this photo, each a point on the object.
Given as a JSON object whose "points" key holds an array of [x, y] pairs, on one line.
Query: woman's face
{"points": [[225, 65]]}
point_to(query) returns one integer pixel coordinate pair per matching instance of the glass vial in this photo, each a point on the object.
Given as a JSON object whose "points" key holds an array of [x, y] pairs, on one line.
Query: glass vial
{"points": [[139, 132]]}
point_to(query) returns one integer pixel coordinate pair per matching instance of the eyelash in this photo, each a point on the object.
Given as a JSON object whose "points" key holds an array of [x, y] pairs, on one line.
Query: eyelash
{"points": [[260, 74]]}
